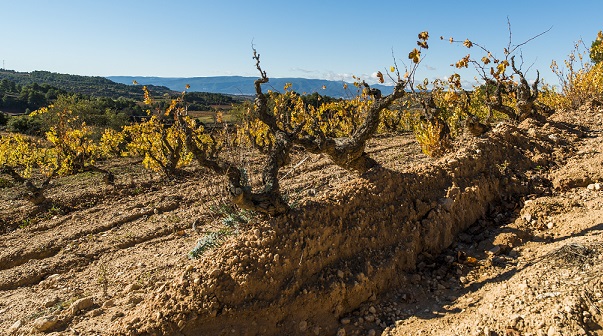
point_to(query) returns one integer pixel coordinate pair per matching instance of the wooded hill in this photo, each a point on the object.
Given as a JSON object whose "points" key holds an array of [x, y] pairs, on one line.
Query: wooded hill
{"points": [[85, 85], [21, 92]]}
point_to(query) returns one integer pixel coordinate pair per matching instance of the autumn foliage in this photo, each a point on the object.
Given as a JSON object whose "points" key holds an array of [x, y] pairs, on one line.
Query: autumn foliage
{"points": [[168, 139]]}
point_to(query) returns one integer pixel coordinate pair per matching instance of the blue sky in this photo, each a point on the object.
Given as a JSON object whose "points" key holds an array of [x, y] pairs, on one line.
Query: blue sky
{"points": [[313, 39]]}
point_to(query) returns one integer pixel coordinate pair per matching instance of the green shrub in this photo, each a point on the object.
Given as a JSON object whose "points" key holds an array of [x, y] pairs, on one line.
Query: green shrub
{"points": [[24, 124]]}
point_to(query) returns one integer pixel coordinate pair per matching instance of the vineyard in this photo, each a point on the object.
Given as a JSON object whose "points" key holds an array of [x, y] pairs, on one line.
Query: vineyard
{"points": [[402, 213]]}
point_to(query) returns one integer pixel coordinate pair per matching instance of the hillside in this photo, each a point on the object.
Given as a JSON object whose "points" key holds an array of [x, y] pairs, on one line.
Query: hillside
{"points": [[502, 236], [86, 85], [237, 85]]}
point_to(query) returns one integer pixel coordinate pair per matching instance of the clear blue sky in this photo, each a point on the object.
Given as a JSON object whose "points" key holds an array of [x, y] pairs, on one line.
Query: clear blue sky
{"points": [[313, 39]]}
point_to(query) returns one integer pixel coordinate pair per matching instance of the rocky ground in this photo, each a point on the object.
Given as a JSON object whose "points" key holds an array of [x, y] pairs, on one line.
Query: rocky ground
{"points": [[501, 237]]}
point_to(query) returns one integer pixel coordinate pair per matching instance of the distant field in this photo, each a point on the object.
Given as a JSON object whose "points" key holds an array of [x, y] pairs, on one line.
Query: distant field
{"points": [[209, 117]]}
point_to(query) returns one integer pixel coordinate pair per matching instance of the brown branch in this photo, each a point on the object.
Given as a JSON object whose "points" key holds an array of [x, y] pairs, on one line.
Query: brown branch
{"points": [[34, 194], [268, 202], [348, 152]]}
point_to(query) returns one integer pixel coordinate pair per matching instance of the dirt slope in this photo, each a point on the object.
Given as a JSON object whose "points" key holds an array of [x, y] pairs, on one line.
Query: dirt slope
{"points": [[501, 237]]}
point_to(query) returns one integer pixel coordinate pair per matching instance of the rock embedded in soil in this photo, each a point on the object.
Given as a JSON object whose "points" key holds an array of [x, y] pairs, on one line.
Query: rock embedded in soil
{"points": [[51, 302], [109, 303], [45, 323], [132, 287], [81, 304], [14, 327]]}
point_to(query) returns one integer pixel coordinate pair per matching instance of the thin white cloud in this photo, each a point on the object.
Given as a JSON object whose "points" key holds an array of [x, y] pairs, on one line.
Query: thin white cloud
{"points": [[306, 71]]}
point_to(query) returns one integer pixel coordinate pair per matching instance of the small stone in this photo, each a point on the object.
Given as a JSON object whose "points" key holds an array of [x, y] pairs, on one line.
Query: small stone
{"points": [[109, 303], [340, 274], [45, 323], [370, 318], [95, 312], [341, 332], [117, 315], [527, 217], [276, 258], [161, 288], [134, 299], [51, 302], [372, 310], [131, 287], [81, 304], [345, 320], [550, 225], [415, 278], [591, 186], [13, 328], [372, 332], [53, 277], [552, 331], [597, 186], [449, 259], [495, 250], [303, 326]]}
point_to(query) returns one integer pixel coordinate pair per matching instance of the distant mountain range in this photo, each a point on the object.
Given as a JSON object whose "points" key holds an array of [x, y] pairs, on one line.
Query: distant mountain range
{"points": [[122, 86], [237, 85]]}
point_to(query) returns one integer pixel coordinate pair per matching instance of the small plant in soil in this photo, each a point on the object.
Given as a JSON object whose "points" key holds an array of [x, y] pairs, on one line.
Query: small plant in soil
{"points": [[232, 219], [103, 278], [25, 223], [207, 242]]}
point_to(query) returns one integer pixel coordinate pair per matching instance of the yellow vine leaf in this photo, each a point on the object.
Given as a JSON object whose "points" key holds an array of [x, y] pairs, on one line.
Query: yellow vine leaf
{"points": [[415, 55]]}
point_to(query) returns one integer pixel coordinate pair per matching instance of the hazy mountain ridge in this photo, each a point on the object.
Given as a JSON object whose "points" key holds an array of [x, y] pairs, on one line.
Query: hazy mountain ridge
{"points": [[238, 85]]}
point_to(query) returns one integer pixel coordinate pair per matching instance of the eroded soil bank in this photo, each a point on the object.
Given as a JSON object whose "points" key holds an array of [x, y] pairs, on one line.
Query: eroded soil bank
{"points": [[416, 246], [304, 272]]}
